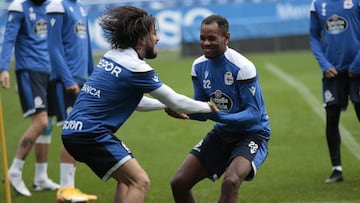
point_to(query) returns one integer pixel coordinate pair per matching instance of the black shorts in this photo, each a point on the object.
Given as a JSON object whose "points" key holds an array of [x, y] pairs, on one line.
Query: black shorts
{"points": [[216, 154], [338, 90], [32, 87]]}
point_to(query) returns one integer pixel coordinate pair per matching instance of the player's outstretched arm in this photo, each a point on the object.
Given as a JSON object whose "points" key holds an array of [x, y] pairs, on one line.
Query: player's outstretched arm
{"points": [[179, 102]]}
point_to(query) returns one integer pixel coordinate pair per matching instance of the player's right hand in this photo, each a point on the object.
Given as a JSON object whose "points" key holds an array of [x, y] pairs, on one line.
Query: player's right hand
{"points": [[75, 89], [213, 107], [331, 72], [5, 79]]}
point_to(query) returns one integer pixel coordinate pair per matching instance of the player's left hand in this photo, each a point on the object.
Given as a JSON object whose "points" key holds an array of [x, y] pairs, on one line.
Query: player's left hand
{"points": [[176, 114]]}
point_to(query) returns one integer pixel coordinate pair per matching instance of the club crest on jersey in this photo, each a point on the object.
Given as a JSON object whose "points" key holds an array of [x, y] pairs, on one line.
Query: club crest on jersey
{"points": [[40, 28], [348, 4], [80, 29], [221, 100], [228, 78]]}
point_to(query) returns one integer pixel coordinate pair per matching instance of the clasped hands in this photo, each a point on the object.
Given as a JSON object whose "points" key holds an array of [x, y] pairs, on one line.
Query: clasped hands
{"points": [[184, 116]]}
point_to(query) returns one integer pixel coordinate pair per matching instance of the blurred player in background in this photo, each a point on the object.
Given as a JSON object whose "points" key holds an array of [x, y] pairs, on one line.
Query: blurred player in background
{"points": [[72, 63], [238, 143], [26, 31], [335, 43], [113, 92]]}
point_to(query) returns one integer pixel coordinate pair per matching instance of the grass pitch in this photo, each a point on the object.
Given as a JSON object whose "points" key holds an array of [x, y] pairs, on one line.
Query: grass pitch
{"points": [[294, 171]]}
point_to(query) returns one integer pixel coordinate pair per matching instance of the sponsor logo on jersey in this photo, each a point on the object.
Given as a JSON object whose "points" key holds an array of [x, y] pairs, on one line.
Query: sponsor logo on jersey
{"points": [[252, 90], [109, 66], [32, 14], [336, 24], [206, 74], [155, 78], [91, 90], [83, 11], [52, 22], [73, 125], [222, 101]]}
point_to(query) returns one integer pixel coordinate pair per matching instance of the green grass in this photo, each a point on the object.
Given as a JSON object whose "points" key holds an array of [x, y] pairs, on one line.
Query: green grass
{"points": [[298, 159]]}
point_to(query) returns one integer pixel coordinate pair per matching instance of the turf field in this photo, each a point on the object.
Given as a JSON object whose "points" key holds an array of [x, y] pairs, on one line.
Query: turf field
{"points": [[298, 160]]}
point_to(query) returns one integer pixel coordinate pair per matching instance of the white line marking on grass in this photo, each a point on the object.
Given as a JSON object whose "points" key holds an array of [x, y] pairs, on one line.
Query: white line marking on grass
{"points": [[315, 105]]}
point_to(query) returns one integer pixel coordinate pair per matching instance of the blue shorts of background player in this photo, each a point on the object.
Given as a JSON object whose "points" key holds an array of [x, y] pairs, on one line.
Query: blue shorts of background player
{"points": [[32, 88], [338, 90]]}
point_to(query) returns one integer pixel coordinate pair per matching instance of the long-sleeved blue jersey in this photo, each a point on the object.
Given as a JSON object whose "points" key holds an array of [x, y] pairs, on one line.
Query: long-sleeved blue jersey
{"points": [[26, 31], [231, 82], [335, 34], [69, 41]]}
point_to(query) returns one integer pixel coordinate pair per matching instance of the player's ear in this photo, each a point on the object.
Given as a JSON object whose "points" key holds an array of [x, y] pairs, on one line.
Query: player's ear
{"points": [[227, 38], [141, 42]]}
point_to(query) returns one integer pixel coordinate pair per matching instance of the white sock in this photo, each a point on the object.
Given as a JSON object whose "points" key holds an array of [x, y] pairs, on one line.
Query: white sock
{"points": [[73, 176], [40, 172], [338, 168], [16, 167], [67, 175]]}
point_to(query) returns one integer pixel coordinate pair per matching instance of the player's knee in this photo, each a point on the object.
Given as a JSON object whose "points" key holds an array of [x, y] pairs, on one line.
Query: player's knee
{"points": [[143, 184], [45, 136], [232, 181], [43, 123], [178, 184]]}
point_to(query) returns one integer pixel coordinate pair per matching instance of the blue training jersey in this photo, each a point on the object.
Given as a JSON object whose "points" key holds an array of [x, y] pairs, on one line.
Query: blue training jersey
{"points": [[69, 41], [26, 31], [231, 83], [335, 34], [111, 94]]}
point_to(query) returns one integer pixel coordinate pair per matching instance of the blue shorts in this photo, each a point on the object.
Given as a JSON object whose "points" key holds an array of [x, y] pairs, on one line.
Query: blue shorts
{"points": [[60, 101], [216, 154], [32, 88], [338, 90], [103, 154]]}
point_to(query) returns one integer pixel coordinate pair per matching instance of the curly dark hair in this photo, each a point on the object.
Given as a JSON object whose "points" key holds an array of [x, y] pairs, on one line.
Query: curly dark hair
{"points": [[124, 25]]}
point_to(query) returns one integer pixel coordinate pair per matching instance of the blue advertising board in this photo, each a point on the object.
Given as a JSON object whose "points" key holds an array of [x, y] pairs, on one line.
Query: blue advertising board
{"points": [[182, 23]]}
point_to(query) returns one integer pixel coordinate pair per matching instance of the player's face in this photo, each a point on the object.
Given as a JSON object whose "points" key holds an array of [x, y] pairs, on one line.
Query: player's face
{"points": [[150, 45], [212, 41]]}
